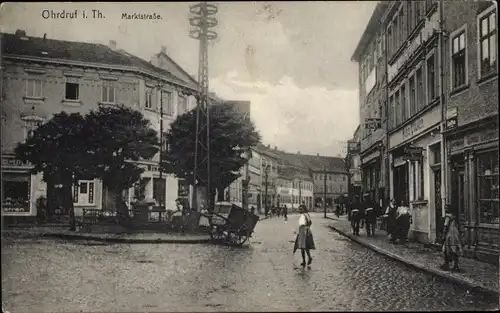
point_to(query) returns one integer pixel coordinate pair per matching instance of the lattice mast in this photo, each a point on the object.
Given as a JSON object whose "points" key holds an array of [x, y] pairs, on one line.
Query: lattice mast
{"points": [[202, 20]]}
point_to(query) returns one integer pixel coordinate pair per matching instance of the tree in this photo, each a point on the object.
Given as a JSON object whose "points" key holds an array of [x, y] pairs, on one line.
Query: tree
{"points": [[230, 134], [57, 149], [119, 138]]}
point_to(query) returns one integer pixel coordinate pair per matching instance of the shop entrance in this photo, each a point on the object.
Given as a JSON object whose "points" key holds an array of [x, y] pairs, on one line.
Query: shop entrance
{"points": [[437, 202], [401, 184]]}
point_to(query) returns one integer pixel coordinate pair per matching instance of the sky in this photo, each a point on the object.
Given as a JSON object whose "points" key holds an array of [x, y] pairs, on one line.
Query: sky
{"points": [[292, 60]]}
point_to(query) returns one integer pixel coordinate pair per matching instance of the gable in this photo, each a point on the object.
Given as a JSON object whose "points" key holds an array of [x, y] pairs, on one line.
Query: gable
{"points": [[168, 64]]}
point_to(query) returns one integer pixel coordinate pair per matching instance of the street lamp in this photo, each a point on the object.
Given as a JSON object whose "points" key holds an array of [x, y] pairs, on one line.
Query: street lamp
{"points": [[266, 176]]}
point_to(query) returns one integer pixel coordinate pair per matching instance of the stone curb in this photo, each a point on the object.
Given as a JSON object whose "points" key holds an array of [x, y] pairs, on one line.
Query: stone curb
{"points": [[442, 274], [125, 240]]}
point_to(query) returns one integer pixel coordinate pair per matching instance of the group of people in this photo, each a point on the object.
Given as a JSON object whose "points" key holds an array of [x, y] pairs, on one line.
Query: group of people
{"points": [[397, 219], [279, 211]]}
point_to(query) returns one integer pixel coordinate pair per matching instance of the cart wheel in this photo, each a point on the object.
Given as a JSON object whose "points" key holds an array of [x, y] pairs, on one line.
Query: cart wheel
{"points": [[216, 234], [237, 239]]}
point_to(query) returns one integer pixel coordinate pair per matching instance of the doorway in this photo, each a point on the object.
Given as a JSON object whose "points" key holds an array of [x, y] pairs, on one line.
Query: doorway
{"points": [[437, 202]]}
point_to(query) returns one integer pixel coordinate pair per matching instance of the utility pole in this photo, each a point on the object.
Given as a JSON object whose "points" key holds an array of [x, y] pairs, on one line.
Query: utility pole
{"points": [[202, 20], [266, 210], [300, 191], [162, 201], [324, 192]]}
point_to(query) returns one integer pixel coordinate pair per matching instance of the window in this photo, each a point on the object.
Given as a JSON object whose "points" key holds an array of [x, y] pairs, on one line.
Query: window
{"points": [[34, 88], [389, 41], [396, 30], [411, 15], [402, 26], [149, 98], [413, 95], [420, 90], [108, 93], [72, 91], [487, 187], [429, 4], [182, 105], [391, 112], [432, 79], [404, 110], [168, 106], [419, 11], [397, 108], [421, 180], [458, 59], [16, 192], [487, 42], [83, 192]]}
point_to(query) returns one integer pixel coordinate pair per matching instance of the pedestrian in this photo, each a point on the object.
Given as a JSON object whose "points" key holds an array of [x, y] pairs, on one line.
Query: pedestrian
{"points": [[253, 209], [356, 215], [403, 221], [370, 215], [390, 217], [304, 240], [278, 211], [452, 246], [285, 212]]}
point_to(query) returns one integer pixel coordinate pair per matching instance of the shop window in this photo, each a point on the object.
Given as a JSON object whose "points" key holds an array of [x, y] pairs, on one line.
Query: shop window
{"points": [[487, 41], [83, 192], [16, 191], [487, 187]]}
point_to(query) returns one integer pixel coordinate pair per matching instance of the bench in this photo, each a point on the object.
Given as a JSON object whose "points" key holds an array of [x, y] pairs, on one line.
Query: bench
{"points": [[92, 217]]}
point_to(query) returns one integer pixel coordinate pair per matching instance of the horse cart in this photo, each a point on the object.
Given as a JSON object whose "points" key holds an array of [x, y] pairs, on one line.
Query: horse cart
{"points": [[231, 224]]}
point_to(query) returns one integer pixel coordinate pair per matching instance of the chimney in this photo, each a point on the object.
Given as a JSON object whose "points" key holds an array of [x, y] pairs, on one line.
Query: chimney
{"points": [[20, 33], [44, 36], [317, 154], [112, 45], [269, 146], [163, 50], [275, 148], [298, 152]]}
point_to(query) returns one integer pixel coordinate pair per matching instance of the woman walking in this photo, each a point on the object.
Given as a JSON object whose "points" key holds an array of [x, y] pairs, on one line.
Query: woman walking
{"points": [[452, 247], [390, 215], [304, 240]]}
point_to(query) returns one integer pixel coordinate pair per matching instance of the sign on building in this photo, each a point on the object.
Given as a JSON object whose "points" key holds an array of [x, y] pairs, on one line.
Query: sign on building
{"points": [[413, 153], [372, 123]]}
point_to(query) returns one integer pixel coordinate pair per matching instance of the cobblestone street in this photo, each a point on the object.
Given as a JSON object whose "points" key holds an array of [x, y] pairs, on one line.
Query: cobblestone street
{"points": [[58, 276]]}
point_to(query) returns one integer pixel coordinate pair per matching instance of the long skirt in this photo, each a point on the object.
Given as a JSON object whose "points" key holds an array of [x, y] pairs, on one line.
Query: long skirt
{"points": [[305, 239]]}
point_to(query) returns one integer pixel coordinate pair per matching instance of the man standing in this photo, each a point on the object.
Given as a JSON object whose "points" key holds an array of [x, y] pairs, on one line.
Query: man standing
{"points": [[285, 212], [371, 210], [355, 216]]}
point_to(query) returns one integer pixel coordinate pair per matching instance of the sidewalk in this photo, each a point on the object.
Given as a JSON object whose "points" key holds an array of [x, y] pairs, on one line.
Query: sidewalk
{"points": [[110, 234], [112, 237], [474, 274]]}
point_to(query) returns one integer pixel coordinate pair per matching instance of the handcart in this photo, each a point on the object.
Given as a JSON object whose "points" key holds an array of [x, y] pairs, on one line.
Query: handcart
{"points": [[231, 224]]}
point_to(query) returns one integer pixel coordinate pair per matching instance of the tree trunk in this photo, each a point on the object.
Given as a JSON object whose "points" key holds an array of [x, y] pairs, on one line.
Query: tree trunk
{"points": [[68, 200], [211, 199], [121, 207]]}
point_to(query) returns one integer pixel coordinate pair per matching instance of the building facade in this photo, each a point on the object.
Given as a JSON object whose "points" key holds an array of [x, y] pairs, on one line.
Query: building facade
{"points": [[370, 54], [43, 76], [441, 84], [470, 89], [355, 182]]}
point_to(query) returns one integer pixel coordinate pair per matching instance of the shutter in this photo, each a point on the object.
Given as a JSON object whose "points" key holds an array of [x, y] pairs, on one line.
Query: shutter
{"points": [[75, 192], [91, 193]]}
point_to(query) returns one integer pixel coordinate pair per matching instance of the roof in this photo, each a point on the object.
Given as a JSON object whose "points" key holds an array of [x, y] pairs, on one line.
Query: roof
{"points": [[371, 29], [79, 51]]}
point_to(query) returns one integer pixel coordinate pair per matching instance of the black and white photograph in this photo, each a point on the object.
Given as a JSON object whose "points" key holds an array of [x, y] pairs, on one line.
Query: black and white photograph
{"points": [[249, 156]]}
